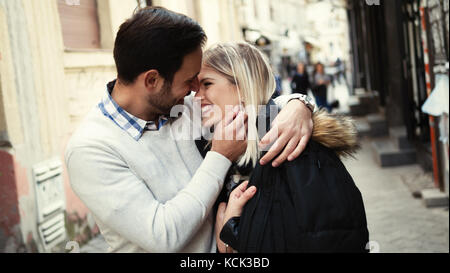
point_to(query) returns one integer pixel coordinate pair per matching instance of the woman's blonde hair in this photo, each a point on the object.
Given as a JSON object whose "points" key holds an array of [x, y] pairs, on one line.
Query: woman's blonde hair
{"points": [[249, 70]]}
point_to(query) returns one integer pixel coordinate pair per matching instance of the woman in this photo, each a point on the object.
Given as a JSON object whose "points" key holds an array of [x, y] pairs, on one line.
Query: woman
{"points": [[300, 81], [321, 81], [313, 196]]}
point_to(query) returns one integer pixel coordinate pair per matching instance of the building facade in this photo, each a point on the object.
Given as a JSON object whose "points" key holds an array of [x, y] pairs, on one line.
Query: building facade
{"points": [[399, 50]]}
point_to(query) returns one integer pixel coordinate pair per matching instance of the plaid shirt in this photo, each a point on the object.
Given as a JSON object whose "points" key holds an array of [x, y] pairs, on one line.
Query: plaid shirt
{"points": [[134, 126]]}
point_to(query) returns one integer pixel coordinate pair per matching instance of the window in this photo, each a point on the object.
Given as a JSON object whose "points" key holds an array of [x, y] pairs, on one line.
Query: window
{"points": [[80, 24], [272, 12], [255, 9]]}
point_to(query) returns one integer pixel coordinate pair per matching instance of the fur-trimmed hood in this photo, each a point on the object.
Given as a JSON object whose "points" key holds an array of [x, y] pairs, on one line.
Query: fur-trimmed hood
{"points": [[335, 132]]}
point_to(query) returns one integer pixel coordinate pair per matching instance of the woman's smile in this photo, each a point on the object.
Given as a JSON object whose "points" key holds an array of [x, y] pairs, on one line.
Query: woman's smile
{"points": [[206, 108]]}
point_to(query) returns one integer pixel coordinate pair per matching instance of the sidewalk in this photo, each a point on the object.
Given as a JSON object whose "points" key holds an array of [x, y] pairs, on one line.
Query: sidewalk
{"points": [[396, 221], [96, 245]]}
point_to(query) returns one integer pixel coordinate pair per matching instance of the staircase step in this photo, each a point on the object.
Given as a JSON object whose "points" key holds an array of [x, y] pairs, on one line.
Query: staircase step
{"points": [[363, 104], [387, 154], [434, 198], [400, 136], [370, 101], [378, 125], [362, 127], [360, 91], [355, 107]]}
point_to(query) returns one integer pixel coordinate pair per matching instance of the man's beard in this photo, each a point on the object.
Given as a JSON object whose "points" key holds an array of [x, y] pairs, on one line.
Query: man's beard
{"points": [[163, 101]]}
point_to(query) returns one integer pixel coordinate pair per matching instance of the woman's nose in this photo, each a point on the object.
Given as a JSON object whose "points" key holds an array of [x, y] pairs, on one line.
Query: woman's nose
{"points": [[200, 93]]}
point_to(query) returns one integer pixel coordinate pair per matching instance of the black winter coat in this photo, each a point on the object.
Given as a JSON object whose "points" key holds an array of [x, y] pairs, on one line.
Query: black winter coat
{"points": [[308, 205]]}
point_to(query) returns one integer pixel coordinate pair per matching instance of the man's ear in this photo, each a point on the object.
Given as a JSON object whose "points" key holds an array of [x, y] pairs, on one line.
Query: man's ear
{"points": [[152, 79]]}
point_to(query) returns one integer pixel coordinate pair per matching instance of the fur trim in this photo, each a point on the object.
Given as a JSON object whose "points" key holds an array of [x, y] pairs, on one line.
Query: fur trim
{"points": [[335, 132]]}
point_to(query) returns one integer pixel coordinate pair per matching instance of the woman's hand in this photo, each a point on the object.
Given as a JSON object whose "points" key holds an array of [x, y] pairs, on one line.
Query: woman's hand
{"points": [[292, 129], [238, 198]]}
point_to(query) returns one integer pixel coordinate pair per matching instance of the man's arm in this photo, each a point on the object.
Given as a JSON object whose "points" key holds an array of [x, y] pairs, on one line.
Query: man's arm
{"points": [[124, 203], [291, 130]]}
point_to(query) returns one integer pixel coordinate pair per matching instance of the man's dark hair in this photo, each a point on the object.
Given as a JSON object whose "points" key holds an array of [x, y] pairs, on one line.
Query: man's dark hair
{"points": [[155, 38]]}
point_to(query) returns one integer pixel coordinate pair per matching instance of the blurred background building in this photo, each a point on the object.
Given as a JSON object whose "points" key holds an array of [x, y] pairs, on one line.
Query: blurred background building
{"points": [[56, 57], [400, 52]]}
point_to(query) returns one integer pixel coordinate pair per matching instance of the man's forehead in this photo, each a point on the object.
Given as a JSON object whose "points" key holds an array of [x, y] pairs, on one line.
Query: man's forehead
{"points": [[189, 73], [191, 68]]}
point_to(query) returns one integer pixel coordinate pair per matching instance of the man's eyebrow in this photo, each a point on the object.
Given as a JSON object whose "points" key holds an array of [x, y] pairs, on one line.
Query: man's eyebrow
{"points": [[195, 76]]}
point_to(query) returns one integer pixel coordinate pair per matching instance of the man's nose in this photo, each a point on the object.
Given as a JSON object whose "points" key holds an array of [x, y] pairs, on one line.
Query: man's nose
{"points": [[200, 93], [195, 85]]}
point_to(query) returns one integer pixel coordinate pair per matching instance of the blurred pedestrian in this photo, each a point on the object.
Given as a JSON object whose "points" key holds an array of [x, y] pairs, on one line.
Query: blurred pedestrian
{"points": [[339, 70], [300, 82], [278, 88], [278, 82], [321, 81]]}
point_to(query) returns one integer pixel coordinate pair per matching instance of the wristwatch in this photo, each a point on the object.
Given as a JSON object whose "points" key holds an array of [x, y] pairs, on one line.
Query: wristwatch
{"points": [[305, 99]]}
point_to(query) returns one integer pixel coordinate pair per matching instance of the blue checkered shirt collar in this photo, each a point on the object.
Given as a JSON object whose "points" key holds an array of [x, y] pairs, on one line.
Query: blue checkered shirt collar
{"points": [[134, 126]]}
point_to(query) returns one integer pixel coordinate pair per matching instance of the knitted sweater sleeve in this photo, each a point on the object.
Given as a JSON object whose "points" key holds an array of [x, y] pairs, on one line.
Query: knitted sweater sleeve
{"points": [[124, 203]]}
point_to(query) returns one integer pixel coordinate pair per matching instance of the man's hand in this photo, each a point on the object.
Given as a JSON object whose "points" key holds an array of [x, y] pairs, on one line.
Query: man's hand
{"points": [[230, 135], [291, 130]]}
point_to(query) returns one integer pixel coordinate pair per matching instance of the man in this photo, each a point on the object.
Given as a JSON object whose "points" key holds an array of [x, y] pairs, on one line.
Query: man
{"points": [[148, 191]]}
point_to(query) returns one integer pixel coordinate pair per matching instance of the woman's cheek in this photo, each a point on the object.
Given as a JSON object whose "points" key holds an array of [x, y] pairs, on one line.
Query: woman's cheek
{"points": [[212, 115]]}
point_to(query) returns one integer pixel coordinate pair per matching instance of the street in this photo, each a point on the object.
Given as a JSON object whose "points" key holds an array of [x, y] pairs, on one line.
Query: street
{"points": [[397, 222]]}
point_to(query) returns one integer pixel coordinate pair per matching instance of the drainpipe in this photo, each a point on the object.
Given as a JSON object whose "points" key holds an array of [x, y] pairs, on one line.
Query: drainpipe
{"points": [[428, 83]]}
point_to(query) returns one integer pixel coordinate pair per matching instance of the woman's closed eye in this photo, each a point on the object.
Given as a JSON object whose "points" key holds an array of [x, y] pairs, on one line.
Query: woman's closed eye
{"points": [[206, 84]]}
